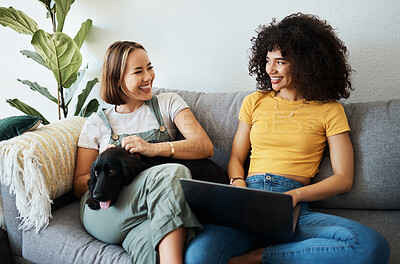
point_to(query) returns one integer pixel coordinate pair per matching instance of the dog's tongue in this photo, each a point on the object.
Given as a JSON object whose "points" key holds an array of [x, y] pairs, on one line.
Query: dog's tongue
{"points": [[105, 205]]}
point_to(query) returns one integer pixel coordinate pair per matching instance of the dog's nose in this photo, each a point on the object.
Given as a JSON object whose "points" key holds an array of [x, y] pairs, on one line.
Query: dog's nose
{"points": [[97, 196]]}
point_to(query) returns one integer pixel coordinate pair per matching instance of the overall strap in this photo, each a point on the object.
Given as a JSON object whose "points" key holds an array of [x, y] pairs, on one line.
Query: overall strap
{"points": [[103, 117], [155, 108]]}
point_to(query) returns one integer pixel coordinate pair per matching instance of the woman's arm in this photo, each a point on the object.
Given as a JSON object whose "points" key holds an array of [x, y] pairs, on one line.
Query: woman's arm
{"points": [[84, 159], [342, 159], [196, 145], [239, 153]]}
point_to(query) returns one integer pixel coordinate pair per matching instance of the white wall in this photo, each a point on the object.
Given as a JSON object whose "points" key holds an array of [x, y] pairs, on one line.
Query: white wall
{"points": [[203, 45]]}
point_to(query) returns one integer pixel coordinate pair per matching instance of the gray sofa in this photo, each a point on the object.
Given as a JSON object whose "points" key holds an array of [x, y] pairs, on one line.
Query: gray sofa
{"points": [[373, 201]]}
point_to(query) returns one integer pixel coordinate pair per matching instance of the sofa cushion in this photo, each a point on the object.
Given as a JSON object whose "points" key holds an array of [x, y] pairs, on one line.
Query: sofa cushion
{"points": [[375, 130], [38, 167], [218, 114], [66, 237]]}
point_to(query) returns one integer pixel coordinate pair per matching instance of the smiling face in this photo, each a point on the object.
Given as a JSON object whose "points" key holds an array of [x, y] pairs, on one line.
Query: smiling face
{"points": [[279, 70], [138, 77]]}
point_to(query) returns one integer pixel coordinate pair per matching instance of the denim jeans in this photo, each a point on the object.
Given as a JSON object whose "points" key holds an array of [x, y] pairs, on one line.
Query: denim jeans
{"points": [[319, 238]]}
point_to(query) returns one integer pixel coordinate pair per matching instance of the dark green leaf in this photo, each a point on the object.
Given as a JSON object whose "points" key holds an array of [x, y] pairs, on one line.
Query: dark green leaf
{"points": [[69, 93], [61, 55], [62, 9], [17, 20], [83, 96], [42, 90], [90, 108], [82, 33], [26, 109], [34, 56]]}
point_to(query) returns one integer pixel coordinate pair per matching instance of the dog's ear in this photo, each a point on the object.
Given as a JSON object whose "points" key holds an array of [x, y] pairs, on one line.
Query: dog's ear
{"points": [[93, 179], [132, 166], [93, 204]]}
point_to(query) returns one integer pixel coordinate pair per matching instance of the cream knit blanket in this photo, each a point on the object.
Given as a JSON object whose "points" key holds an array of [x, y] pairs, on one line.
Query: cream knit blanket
{"points": [[38, 166]]}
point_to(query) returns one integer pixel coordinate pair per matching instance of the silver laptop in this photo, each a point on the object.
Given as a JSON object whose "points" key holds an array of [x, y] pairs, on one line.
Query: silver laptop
{"points": [[241, 208]]}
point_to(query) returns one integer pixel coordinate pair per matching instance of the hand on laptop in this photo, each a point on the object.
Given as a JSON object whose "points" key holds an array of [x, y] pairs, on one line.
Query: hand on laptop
{"points": [[294, 195]]}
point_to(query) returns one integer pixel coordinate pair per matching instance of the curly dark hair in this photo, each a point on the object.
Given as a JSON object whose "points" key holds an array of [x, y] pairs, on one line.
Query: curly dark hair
{"points": [[318, 58]]}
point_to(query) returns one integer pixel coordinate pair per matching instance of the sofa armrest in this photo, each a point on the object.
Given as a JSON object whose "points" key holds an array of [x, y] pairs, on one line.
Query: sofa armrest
{"points": [[38, 167], [5, 251]]}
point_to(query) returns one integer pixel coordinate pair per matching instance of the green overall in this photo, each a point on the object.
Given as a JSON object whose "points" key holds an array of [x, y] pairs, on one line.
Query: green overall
{"points": [[148, 209], [160, 134]]}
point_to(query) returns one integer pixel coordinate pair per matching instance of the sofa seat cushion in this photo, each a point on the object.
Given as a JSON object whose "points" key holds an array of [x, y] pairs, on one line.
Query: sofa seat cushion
{"points": [[65, 240], [383, 221]]}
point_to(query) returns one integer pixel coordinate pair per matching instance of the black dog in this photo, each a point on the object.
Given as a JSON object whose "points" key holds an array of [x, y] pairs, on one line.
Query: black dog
{"points": [[116, 168]]}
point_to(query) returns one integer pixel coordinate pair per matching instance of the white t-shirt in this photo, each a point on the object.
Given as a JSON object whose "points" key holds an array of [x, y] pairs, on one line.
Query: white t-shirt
{"points": [[96, 135]]}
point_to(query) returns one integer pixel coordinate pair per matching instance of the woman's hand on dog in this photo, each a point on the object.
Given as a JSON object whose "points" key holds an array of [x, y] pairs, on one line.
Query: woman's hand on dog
{"points": [[135, 144], [110, 146]]}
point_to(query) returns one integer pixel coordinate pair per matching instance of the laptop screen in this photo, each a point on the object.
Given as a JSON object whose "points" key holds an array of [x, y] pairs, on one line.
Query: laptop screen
{"points": [[241, 208]]}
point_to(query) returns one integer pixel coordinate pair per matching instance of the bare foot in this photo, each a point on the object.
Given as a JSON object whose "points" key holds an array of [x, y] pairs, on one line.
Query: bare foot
{"points": [[252, 257]]}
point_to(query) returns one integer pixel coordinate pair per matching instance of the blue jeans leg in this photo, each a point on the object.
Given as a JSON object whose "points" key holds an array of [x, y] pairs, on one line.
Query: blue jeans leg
{"points": [[217, 244], [319, 238], [323, 238]]}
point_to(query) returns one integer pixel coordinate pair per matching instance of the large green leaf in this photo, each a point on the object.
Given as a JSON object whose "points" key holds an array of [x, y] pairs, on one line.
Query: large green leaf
{"points": [[82, 33], [17, 20], [61, 55], [42, 90], [69, 93], [26, 109], [90, 108], [83, 96], [34, 56], [62, 9]]}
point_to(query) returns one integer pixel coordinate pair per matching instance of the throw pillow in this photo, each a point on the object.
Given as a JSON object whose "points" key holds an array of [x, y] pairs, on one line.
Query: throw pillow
{"points": [[16, 125]]}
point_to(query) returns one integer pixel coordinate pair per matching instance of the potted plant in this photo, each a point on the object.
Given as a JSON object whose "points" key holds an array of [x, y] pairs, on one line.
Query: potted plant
{"points": [[58, 53]]}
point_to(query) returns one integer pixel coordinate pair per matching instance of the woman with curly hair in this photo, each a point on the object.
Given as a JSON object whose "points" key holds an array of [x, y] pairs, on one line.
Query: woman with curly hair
{"points": [[301, 71]]}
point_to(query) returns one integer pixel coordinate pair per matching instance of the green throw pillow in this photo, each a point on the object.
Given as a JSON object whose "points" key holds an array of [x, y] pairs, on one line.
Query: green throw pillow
{"points": [[16, 125]]}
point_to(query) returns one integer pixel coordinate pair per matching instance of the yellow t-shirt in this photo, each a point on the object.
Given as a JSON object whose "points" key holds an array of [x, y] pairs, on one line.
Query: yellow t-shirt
{"points": [[292, 145]]}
